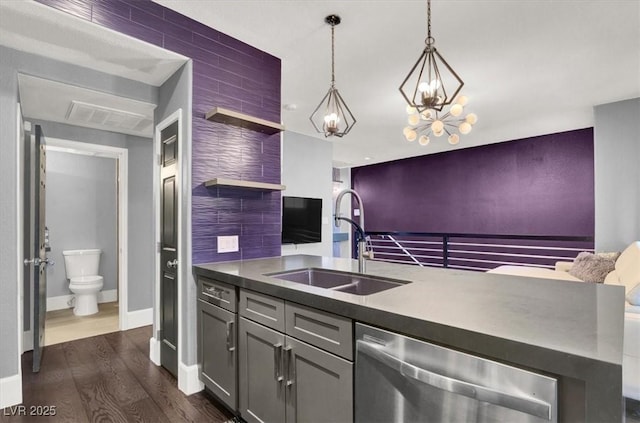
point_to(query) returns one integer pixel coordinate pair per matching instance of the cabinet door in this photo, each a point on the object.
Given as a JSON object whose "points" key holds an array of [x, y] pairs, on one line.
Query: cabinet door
{"points": [[319, 385], [261, 379], [217, 352]]}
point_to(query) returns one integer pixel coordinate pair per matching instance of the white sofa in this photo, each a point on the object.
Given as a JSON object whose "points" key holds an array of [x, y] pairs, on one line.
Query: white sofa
{"points": [[627, 274]]}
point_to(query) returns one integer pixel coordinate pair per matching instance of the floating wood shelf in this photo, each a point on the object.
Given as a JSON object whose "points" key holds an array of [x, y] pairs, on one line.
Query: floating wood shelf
{"points": [[218, 114], [236, 183]]}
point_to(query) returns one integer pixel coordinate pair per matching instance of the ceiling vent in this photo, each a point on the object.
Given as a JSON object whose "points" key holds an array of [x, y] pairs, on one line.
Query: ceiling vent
{"points": [[110, 119]]}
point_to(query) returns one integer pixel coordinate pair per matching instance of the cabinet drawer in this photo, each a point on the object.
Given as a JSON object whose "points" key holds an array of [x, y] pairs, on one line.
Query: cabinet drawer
{"points": [[323, 330], [263, 309], [217, 293]]}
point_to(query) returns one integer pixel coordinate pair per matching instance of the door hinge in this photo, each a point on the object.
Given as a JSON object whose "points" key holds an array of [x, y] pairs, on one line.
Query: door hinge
{"points": [[158, 247], [159, 159]]}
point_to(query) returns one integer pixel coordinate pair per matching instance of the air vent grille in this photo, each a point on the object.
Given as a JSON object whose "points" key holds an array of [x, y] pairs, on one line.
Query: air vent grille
{"points": [[109, 118]]}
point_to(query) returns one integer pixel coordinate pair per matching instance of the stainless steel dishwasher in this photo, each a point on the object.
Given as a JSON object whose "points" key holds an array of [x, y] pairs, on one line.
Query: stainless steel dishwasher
{"points": [[401, 379]]}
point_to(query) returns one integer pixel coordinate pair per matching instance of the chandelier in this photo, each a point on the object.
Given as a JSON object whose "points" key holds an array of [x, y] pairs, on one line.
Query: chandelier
{"points": [[431, 83], [432, 122], [332, 117]]}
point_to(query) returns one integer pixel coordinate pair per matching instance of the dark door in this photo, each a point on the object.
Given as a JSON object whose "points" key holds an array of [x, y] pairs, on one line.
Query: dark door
{"points": [[169, 249], [37, 259]]}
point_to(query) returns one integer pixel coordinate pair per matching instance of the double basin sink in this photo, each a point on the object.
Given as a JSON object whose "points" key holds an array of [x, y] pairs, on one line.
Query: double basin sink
{"points": [[333, 280]]}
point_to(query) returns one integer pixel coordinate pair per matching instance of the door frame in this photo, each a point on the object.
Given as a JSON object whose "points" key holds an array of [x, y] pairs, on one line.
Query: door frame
{"points": [[121, 155], [154, 342]]}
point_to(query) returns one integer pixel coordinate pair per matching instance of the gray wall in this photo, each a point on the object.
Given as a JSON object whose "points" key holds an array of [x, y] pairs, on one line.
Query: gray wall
{"points": [[307, 172], [13, 62], [617, 174], [81, 212], [141, 252]]}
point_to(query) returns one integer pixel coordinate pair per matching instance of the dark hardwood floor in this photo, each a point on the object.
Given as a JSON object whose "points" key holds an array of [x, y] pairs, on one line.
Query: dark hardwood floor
{"points": [[108, 378]]}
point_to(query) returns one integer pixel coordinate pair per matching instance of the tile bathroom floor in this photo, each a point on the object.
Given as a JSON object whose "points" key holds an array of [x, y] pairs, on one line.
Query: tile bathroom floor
{"points": [[63, 325]]}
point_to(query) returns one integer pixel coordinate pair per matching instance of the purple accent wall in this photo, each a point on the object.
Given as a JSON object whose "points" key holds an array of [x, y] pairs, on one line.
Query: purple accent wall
{"points": [[226, 73], [534, 186]]}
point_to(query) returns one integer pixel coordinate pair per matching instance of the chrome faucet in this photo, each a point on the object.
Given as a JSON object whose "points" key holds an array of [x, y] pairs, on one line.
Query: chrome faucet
{"points": [[362, 243]]}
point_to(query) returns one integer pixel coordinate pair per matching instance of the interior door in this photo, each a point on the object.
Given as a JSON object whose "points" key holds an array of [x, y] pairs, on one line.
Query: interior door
{"points": [[169, 249], [38, 258]]}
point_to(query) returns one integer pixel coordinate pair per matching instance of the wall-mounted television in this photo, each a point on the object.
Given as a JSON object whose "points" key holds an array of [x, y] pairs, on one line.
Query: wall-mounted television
{"points": [[301, 220]]}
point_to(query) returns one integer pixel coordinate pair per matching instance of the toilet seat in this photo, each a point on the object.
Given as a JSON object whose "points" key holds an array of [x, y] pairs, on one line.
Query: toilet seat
{"points": [[86, 280]]}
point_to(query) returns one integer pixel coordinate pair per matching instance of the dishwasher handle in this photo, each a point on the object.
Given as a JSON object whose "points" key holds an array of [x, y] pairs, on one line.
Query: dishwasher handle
{"points": [[478, 392]]}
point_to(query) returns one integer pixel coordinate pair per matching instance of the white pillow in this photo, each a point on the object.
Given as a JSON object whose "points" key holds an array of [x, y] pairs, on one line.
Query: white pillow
{"points": [[633, 297]]}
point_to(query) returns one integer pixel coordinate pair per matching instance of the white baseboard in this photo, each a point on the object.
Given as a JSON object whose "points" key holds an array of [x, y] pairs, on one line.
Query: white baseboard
{"points": [[136, 319], [10, 391], [189, 379], [61, 302], [154, 351], [27, 340]]}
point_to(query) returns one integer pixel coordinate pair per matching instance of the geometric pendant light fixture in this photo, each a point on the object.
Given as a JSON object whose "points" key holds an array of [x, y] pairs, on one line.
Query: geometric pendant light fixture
{"points": [[332, 117], [431, 83]]}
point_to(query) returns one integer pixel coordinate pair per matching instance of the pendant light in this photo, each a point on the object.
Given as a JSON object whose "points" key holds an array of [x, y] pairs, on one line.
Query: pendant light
{"points": [[431, 83], [332, 117]]}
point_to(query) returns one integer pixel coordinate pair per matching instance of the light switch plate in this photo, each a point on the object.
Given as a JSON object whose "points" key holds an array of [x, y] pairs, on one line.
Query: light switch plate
{"points": [[356, 212], [228, 244]]}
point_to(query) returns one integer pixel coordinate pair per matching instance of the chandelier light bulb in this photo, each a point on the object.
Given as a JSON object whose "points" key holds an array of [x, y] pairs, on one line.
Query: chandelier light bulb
{"points": [[456, 110], [438, 133], [413, 119], [407, 130], [464, 128], [437, 126], [331, 117], [424, 140], [471, 118], [411, 110], [454, 139], [411, 135], [462, 100]]}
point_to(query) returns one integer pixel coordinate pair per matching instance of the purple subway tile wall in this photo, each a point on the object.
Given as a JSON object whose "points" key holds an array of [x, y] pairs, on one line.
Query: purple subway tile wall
{"points": [[535, 186], [226, 73]]}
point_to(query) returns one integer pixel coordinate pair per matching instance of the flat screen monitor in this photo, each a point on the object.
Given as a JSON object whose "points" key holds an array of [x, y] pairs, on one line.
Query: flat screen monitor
{"points": [[301, 220]]}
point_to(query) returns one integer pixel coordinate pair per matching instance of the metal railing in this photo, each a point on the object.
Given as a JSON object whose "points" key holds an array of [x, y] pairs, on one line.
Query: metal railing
{"points": [[475, 251]]}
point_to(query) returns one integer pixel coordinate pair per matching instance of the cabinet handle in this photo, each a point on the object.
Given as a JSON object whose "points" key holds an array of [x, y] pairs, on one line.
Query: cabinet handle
{"points": [[230, 346], [288, 363], [277, 361], [211, 292]]}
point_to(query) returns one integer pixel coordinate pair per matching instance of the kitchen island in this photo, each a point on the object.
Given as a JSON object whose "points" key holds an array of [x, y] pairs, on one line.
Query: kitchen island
{"points": [[571, 331]]}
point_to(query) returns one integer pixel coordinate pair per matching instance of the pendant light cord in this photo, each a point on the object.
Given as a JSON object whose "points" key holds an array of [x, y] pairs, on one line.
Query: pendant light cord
{"points": [[429, 39], [333, 45]]}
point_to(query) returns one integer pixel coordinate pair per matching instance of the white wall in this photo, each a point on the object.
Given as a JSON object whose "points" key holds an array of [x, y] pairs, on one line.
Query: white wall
{"points": [[617, 174], [306, 172]]}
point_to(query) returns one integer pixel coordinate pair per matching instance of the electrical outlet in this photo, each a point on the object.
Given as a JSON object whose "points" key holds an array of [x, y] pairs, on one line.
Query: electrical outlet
{"points": [[228, 244]]}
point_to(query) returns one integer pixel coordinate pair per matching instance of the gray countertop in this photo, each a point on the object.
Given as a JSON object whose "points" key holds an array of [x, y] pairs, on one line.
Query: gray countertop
{"points": [[565, 328]]}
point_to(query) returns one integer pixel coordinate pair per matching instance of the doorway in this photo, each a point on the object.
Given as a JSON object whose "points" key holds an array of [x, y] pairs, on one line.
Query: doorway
{"points": [[87, 208]]}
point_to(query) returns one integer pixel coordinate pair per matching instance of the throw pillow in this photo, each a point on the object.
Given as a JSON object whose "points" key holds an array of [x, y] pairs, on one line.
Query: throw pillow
{"points": [[590, 267], [610, 255], [633, 296]]}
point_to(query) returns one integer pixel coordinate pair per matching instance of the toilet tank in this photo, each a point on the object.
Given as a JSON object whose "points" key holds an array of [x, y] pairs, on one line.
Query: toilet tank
{"points": [[81, 262]]}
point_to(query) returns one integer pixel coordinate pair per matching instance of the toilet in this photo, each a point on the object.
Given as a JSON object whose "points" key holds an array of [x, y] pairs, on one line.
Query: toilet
{"points": [[81, 267]]}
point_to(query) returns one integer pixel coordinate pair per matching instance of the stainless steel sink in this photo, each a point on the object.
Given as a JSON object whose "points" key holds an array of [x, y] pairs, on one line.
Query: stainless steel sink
{"points": [[353, 283]]}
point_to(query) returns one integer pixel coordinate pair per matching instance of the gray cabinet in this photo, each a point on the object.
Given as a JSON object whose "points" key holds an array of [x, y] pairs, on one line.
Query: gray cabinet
{"points": [[261, 379], [217, 353], [319, 385], [283, 379]]}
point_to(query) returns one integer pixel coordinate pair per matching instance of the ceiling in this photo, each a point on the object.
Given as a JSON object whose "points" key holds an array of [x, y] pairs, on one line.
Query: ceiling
{"points": [[529, 67]]}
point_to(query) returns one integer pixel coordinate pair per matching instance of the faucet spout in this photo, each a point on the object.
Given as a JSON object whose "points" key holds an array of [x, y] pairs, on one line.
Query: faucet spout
{"points": [[362, 243]]}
